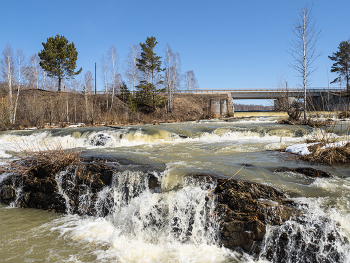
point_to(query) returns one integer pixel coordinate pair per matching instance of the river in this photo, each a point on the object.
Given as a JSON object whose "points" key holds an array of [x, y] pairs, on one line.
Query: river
{"points": [[172, 150]]}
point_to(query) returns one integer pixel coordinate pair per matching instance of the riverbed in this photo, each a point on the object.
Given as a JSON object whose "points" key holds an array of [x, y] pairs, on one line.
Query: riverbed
{"points": [[218, 147]]}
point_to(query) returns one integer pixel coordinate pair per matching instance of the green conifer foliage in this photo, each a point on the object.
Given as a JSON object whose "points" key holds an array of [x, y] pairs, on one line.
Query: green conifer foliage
{"points": [[342, 63], [58, 58], [150, 66]]}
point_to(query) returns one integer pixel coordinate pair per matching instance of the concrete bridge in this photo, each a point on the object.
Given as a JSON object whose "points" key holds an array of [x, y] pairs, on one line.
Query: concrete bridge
{"points": [[268, 93], [317, 98]]}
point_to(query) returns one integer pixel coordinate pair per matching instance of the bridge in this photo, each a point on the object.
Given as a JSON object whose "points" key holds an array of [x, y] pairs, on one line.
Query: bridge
{"points": [[317, 98], [267, 93]]}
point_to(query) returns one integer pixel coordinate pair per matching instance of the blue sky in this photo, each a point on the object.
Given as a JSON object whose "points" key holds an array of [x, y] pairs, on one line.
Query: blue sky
{"points": [[228, 44]]}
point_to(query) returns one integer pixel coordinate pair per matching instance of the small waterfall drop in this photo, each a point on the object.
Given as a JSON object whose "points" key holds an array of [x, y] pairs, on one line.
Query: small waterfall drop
{"points": [[185, 215], [312, 237]]}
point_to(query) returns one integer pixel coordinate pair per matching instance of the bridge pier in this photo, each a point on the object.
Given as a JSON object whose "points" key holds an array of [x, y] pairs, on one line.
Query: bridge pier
{"points": [[222, 107]]}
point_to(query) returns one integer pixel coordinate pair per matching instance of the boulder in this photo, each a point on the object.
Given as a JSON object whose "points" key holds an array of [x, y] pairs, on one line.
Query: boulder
{"points": [[8, 193], [245, 208]]}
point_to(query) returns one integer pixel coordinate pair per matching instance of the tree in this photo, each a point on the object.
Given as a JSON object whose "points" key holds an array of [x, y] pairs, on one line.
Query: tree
{"points": [[113, 68], [172, 74], [131, 70], [303, 48], [20, 59], [34, 71], [105, 77], [59, 58], [342, 63], [7, 70], [190, 80], [150, 65]]}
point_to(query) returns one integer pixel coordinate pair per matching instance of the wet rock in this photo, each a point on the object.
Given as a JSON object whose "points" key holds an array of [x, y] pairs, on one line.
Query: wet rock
{"points": [[245, 208], [153, 181], [8, 193], [100, 139], [307, 171]]}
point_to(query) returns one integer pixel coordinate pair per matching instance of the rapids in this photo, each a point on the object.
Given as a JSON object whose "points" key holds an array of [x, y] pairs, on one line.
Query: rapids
{"points": [[140, 223]]}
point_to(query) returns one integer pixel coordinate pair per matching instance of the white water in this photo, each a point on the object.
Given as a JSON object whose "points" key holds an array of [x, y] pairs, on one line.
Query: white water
{"points": [[146, 226], [167, 224]]}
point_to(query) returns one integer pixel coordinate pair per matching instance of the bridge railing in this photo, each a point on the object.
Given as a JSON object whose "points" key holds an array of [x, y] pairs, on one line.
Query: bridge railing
{"points": [[298, 90], [211, 91]]}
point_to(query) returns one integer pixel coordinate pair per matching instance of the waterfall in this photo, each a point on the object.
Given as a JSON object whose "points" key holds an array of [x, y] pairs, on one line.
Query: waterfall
{"points": [[185, 215], [311, 237]]}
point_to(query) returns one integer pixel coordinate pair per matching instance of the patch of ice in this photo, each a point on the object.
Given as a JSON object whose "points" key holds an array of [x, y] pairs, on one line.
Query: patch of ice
{"points": [[335, 144], [300, 149], [76, 125]]}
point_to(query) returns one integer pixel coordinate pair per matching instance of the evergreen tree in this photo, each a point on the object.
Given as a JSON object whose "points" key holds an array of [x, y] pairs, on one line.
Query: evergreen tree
{"points": [[342, 63], [59, 58], [150, 65], [124, 92], [125, 96]]}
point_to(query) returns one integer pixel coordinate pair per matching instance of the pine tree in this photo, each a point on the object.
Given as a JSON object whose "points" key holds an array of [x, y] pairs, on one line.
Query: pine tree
{"points": [[342, 63], [59, 58], [150, 65]]}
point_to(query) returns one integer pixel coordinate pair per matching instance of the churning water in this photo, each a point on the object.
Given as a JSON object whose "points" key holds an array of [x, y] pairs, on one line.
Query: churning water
{"points": [[129, 222]]}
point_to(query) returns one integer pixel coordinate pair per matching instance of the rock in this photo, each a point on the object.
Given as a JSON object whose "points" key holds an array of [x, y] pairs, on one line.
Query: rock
{"points": [[245, 208], [8, 193], [153, 181], [307, 171]]}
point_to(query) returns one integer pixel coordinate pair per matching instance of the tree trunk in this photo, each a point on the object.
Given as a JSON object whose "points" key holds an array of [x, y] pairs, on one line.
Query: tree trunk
{"points": [[59, 83]]}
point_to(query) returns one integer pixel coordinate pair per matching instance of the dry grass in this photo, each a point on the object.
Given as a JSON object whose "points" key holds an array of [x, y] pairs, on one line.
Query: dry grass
{"points": [[46, 160], [329, 155]]}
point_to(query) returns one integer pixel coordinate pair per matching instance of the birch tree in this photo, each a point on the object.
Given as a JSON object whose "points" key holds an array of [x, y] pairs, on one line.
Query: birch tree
{"points": [[131, 70], [172, 74], [87, 89], [303, 47], [113, 68], [34, 70], [7, 70], [190, 80], [105, 77], [20, 60]]}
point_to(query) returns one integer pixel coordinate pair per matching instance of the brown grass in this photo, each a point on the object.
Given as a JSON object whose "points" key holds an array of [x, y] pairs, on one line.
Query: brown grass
{"points": [[330, 155], [47, 161]]}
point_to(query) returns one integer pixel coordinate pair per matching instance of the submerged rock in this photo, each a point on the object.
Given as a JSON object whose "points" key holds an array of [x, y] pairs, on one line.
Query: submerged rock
{"points": [[307, 171]]}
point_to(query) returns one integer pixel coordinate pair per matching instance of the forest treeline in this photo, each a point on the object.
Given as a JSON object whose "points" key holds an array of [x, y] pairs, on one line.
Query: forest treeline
{"points": [[143, 84]]}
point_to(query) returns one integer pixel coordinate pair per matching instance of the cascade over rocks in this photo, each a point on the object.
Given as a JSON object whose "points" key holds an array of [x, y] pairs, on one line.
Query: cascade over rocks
{"points": [[245, 208], [243, 211]]}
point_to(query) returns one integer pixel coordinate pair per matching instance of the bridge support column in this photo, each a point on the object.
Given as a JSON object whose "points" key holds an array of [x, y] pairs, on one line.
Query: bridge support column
{"points": [[230, 106], [221, 108]]}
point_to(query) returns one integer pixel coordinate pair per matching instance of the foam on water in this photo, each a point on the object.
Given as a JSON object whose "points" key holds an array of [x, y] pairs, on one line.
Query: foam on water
{"points": [[147, 226], [320, 234]]}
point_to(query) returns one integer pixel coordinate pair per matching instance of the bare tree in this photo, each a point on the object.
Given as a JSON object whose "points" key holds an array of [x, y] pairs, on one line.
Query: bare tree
{"points": [[303, 48], [286, 102], [131, 70], [7, 69], [105, 76], [44, 78], [113, 68], [34, 70], [20, 60], [190, 80], [172, 74], [87, 89]]}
